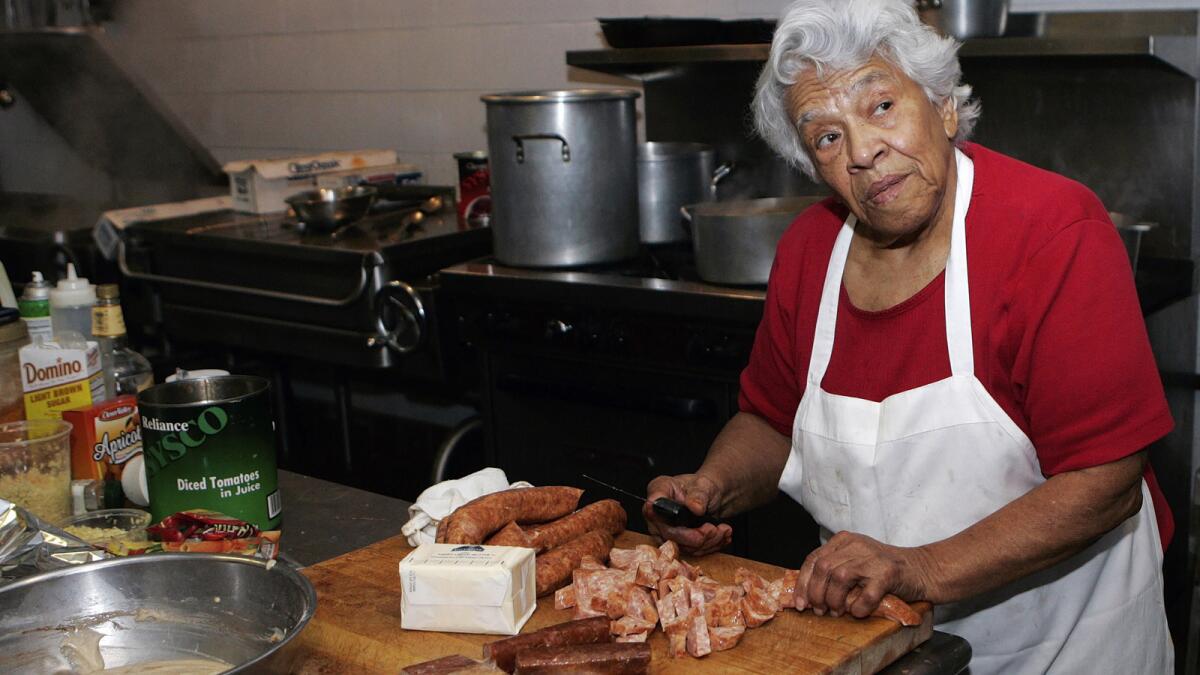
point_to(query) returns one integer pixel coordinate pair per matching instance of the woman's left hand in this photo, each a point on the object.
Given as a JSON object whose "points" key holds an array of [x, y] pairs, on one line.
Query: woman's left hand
{"points": [[852, 573]]}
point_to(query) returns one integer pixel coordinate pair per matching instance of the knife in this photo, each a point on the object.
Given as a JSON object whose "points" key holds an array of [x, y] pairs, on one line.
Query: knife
{"points": [[671, 511]]}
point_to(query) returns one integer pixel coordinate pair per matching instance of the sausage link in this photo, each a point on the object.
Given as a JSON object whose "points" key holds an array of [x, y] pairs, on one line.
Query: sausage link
{"points": [[554, 567], [474, 521], [510, 535], [606, 515], [581, 632], [614, 658]]}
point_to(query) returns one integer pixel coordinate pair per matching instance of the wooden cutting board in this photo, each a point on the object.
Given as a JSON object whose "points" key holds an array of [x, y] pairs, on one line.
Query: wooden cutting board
{"points": [[357, 626]]}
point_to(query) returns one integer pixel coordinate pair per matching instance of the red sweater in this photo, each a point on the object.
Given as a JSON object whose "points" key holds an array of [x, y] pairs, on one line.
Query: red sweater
{"points": [[1058, 333]]}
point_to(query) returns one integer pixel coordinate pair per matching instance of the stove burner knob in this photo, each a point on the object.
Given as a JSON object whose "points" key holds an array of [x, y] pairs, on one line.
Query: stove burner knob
{"points": [[400, 318]]}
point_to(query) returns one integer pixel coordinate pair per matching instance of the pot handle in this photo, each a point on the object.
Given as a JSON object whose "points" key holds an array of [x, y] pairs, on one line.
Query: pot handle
{"points": [[719, 174], [687, 219], [520, 139]]}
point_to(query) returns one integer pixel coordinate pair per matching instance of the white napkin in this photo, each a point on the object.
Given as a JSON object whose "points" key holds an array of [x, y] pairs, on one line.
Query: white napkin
{"points": [[439, 501]]}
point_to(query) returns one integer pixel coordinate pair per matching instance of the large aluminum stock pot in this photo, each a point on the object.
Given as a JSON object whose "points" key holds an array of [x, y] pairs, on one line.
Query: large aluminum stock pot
{"points": [[735, 242], [564, 176]]}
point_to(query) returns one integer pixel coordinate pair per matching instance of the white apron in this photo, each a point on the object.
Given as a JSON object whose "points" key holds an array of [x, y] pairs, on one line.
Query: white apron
{"points": [[927, 463]]}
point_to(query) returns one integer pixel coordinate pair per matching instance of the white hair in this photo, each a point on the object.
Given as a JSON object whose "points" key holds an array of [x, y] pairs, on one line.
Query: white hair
{"points": [[844, 34]]}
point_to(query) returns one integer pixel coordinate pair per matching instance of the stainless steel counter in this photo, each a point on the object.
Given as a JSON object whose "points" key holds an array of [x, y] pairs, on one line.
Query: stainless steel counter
{"points": [[322, 520]]}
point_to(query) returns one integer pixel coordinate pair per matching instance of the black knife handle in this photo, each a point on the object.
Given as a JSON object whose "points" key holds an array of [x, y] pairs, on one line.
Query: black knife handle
{"points": [[678, 515]]}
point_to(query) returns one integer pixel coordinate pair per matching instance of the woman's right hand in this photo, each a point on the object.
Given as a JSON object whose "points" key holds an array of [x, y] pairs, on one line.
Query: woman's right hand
{"points": [[700, 495]]}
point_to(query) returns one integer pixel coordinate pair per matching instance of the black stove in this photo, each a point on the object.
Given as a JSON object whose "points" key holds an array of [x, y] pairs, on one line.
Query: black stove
{"points": [[360, 296]]}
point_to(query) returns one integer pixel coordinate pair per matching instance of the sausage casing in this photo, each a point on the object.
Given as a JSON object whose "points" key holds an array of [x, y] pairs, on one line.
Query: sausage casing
{"points": [[606, 515], [554, 567], [474, 521], [614, 658], [581, 632]]}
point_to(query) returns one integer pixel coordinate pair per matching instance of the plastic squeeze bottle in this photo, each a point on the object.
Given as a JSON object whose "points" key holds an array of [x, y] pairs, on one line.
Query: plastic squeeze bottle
{"points": [[71, 305], [34, 304]]}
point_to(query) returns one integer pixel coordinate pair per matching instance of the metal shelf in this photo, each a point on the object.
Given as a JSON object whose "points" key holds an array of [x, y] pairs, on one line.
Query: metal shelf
{"points": [[1176, 51]]}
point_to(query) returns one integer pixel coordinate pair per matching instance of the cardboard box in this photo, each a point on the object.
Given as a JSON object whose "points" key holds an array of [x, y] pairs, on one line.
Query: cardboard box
{"points": [[56, 378], [262, 185], [466, 588], [104, 437]]}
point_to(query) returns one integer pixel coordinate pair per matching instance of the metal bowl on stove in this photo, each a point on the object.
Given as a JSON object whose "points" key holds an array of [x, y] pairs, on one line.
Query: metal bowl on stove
{"points": [[152, 608], [324, 209]]}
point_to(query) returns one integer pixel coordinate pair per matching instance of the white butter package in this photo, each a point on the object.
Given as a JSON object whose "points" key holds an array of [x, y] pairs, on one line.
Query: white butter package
{"points": [[462, 588]]}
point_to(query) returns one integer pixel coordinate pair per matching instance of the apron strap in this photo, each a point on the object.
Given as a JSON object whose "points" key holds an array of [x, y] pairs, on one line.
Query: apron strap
{"points": [[958, 297], [822, 348]]}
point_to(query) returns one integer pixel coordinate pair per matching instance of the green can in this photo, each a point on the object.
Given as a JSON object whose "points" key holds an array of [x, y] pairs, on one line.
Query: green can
{"points": [[209, 443]]}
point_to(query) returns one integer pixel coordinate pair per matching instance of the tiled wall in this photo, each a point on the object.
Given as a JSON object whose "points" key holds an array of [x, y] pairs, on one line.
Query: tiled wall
{"points": [[254, 78]]}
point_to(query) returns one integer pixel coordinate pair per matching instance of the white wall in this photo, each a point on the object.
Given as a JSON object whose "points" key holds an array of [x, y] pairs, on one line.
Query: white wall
{"points": [[255, 78]]}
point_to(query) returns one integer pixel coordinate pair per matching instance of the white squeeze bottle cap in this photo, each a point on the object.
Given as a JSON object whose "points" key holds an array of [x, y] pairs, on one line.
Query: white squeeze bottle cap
{"points": [[73, 291]]}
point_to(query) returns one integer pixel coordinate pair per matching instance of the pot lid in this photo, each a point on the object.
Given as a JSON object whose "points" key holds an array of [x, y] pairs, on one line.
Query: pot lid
{"points": [[561, 96]]}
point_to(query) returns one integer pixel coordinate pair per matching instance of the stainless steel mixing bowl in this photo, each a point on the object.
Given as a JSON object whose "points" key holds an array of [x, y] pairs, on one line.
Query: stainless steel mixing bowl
{"points": [[152, 608], [324, 209]]}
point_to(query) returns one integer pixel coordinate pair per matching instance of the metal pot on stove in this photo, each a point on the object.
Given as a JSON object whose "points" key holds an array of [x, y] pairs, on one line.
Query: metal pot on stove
{"points": [[564, 176], [734, 242], [671, 175]]}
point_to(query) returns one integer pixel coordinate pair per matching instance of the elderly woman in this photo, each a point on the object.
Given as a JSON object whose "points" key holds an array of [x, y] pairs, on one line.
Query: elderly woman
{"points": [[951, 375]]}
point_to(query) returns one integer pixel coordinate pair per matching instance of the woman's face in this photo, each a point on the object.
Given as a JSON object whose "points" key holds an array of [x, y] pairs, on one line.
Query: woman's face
{"points": [[880, 144]]}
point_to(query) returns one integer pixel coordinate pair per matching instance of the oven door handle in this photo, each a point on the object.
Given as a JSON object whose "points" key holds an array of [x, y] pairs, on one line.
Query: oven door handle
{"points": [[123, 264], [682, 407]]}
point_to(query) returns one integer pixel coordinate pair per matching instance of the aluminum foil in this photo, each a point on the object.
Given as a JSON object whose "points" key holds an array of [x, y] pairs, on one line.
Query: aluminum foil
{"points": [[29, 545]]}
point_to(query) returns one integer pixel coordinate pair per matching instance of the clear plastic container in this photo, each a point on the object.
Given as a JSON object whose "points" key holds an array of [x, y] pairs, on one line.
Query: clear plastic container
{"points": [[109, 526], [35, 467], [13, 336]]}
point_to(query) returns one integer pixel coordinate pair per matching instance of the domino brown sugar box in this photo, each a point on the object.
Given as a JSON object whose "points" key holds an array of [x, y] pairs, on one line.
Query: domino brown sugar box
{"points": [[209, 443]]}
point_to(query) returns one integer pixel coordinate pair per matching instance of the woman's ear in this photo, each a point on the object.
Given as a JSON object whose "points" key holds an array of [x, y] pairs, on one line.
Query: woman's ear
{"points": [[949, 114]]}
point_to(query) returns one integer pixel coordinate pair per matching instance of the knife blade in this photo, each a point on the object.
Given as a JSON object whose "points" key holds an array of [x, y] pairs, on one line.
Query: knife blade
{"points": [[672, 512]]}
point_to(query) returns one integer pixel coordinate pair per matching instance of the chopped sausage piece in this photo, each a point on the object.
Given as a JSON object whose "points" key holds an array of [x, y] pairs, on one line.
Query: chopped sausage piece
{"points": [[509, 535], [645, 575], [725, 637], [892, 607], [613, 658], [669, 550], [564, 598], [474, 521], [758, 607], [631, 625], [588, 631], [641, 605], [554, 567], [617, 601], [588, 562], [633, 637], [448, 665], [725, 609], [697, 642], [606, 515], [666, 609], [790, 579], [592, 589], [677, 632], [630, 558]]}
